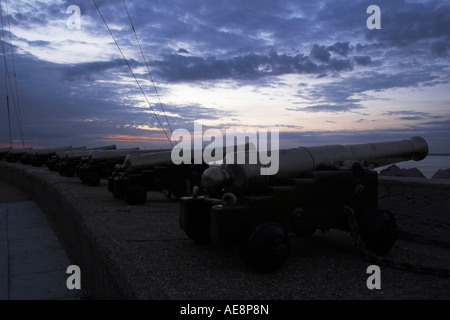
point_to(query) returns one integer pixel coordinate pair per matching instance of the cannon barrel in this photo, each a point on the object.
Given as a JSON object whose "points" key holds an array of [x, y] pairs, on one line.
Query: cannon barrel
{"points": [[110, 147], [48, 151], [5, 150], [17, 151], [143, 161], [300, 161], [74, 154], [77, 154], [15, 154], [62, 153], [114, 154]]}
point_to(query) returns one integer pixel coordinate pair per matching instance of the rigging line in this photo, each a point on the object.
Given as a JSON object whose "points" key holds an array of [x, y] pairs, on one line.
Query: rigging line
{"points": [[7, 108], [131, 70], [15, 76], [9, 122], [7, 75], [9, 113], [146, 64], [6, 87]]}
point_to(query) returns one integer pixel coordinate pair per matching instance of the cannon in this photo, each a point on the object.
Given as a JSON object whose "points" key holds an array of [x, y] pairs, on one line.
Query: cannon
{"points": [[140, 174], [4, 152], [66, 162], [152, 172], [28, 156], [316, 188], [15, 154], [100, 164], [38, 158], [53, 160]]}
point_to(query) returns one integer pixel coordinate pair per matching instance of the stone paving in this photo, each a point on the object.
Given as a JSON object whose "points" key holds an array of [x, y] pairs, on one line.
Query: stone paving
{"points": [[33, 262]]}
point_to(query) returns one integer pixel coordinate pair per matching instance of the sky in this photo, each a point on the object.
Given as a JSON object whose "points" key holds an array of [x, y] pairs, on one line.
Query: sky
{"points": [[311, 69]]}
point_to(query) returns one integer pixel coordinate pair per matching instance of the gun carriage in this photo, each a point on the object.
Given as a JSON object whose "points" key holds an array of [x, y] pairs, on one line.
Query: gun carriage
{"points": [[316, 188], [67, 162], [100, 164]]}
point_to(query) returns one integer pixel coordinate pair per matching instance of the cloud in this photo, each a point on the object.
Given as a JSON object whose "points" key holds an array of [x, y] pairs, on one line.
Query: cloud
{"points": [[87, 70], [439, 48], [267, 46], [341, 48], [444, 124], [190, 113], [70, 108], [181, 51], [341, 91], [340, 65], [414, 23], [320, 53], [410, 118], [327, 108], [345, 95], [288, 126], [409, 115], [363, 60], [175, 67]]}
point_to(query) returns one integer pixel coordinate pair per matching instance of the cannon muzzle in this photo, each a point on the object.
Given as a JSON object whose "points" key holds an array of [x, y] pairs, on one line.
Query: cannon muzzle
{"points": [[298, 162]]}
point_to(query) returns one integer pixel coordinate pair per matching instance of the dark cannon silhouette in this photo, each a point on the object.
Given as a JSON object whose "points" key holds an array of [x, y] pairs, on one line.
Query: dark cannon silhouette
{"points": [[316, 188]]}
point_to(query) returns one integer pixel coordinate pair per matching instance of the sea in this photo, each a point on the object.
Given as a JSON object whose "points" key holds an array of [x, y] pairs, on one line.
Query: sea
{"points": [[427, 166]]}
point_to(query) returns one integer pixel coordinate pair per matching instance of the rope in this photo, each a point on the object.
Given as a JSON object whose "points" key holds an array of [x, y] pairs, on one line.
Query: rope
{"points": [[9, 122], [131, 70], [8, 78], [6, 81], [146, 64], [15, 76]]}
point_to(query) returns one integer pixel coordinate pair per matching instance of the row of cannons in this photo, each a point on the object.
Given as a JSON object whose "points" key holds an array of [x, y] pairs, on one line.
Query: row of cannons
{"points": [[126, 181], [227, 203]]}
